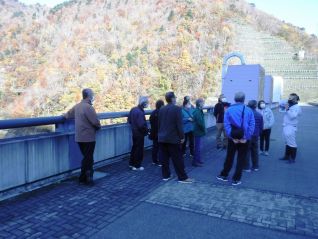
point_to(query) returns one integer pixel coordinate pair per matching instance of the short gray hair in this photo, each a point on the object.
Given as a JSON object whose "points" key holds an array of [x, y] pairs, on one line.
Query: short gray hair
{"points": [[239, 97], [199, 101], [87, 93], [142, 100]]}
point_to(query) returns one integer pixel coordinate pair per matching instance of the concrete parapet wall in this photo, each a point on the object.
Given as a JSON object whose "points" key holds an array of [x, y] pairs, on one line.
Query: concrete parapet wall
{"points": [[25, 160]]}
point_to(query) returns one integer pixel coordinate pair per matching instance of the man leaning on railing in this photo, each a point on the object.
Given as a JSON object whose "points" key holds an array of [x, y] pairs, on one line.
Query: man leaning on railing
{"points": [[86, 125]]}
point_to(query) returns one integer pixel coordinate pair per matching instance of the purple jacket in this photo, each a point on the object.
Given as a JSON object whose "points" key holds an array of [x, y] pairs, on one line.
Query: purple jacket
{"points": [[138, 122], [258, 124]]}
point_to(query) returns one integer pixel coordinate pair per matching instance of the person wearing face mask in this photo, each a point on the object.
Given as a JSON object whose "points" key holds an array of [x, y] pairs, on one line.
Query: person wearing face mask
{"points": [[269, 120], [86, 125], [218, 112], [170, 138], [199, 131], [139, 128], [293, 110], [187, 118]]}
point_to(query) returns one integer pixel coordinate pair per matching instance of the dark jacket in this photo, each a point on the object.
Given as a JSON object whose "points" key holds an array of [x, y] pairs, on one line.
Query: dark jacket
{"points": [[199, 123], [138, 122], [258, 124], [154, 118], [219, 110], [86, 121], [170, 124]]}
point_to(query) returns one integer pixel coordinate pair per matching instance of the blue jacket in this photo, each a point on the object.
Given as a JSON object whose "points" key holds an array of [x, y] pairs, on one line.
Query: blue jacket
{"points": [[258, 123], [233, 116], [187, 124]]}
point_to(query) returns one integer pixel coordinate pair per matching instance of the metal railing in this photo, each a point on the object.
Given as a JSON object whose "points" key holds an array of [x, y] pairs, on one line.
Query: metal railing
{"points": [[40, 121]]}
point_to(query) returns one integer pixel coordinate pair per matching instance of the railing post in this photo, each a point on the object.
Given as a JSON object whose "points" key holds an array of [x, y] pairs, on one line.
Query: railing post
{"points": [[66, 126]]}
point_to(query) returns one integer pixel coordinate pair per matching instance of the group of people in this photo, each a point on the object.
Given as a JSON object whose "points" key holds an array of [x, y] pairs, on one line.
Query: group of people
{"points": [[173, 127], [246, 126]]}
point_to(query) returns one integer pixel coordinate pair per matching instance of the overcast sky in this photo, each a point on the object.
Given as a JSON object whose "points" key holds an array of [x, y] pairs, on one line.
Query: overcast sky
{"points": [[302, 13]]}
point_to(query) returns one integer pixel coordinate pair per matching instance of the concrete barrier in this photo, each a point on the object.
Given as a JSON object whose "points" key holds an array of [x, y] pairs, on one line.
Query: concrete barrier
{"points": [[30, 159]]}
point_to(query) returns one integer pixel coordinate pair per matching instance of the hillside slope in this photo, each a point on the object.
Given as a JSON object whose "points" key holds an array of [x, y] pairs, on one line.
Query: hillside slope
{"points": [[276, 56], [122, 49]]}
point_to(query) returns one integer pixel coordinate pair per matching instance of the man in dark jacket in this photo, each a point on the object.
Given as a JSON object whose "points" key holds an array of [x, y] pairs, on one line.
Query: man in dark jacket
{"points": [[218, 112], [86, 125], [253, 144], [139, 128], [170, 138], [154, 118]]}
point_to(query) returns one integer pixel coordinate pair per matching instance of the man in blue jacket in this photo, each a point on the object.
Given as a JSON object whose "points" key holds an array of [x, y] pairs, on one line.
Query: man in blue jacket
{"points": [[239, 124], [139, 128]]}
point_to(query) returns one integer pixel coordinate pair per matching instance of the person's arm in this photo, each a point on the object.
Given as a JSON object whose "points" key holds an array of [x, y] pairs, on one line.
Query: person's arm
{"points": [[200, 120], [250, 124], [227, 124], [185, 117], [91, 115], [292, 113], [272, 118], [141, 122], [152, 119], [70, 114], [261, 126], [179, 123], [216, 111]]}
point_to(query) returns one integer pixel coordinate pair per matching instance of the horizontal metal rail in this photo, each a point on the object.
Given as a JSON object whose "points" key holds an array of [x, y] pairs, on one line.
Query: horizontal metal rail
{"points": [[29, 122]]}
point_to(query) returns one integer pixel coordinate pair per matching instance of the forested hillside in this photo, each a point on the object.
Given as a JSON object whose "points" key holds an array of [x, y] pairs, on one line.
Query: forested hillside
{"points": [[121, 49]]}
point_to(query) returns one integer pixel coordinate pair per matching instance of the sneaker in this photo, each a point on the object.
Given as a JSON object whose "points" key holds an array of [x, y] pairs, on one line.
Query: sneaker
{"points": [[167, 179], [266, 153], [156, 163], [291, 161], [261, 153], [188, 180], [222, 178], [236, 182], [255, 169], [130, 166], [247, 170], [138, 169]]}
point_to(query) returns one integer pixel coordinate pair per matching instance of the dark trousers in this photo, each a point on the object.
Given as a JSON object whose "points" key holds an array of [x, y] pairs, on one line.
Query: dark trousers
{"points": [[252, 153], [156, 155], [87, 150], [197, 150], [172, 151], [188, 137], [137, 151], [241, 156], [265, 137]]}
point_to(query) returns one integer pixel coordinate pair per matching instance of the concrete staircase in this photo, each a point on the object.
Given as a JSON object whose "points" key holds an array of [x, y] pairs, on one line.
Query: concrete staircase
{"points": [[276, 56]]}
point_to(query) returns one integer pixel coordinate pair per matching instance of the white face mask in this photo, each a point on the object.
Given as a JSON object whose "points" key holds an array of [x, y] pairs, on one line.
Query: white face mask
{"points": [[92, 100], [224, 100], [262, 106]]}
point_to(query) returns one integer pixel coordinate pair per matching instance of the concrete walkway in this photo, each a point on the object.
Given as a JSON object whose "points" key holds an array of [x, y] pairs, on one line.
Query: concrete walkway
{"points": [[279, 201]]}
